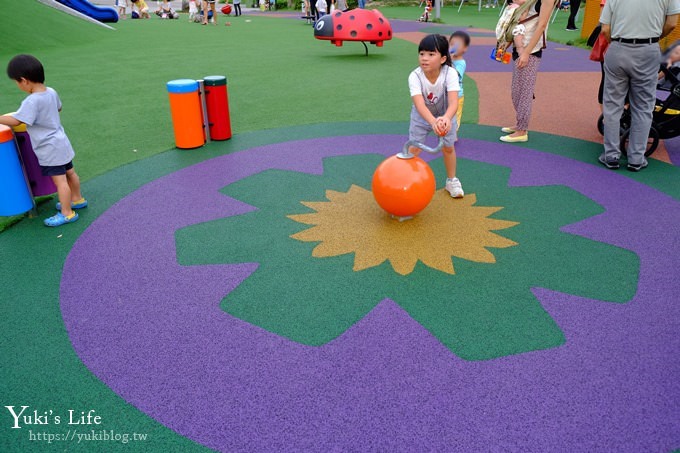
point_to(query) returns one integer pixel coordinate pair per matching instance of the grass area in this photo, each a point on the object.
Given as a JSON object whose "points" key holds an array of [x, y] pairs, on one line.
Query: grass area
{"points": [[112, 82]]}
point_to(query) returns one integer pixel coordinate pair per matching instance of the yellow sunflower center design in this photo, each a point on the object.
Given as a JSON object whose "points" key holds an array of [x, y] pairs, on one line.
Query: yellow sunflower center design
{"points": [[352, 222]]}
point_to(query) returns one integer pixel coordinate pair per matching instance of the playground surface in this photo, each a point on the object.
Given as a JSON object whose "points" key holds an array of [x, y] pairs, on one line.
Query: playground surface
{"points": [[243, 296]]}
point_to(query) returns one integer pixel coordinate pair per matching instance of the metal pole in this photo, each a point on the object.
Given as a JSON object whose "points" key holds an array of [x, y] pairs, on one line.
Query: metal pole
{"points": [[206, 125], [437, 9]]}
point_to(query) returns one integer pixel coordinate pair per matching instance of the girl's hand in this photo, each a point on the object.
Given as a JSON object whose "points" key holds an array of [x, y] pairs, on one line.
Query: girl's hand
{"points": [[436, 127], [444, 124], [523, 60]]}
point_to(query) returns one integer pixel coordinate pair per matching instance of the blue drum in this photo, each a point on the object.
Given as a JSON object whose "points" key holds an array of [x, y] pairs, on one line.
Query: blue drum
{"points": [[15, 197]]}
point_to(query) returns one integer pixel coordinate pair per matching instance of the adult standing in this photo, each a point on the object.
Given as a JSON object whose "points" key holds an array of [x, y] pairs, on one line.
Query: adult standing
{"points": [[527, 60], [237, 8], [574, 5], [631, 68], [361, 4], [209, 5]]}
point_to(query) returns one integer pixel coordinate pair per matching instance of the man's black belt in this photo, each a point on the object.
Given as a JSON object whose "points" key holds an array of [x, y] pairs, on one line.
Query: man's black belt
{"points": [[637, 40]]}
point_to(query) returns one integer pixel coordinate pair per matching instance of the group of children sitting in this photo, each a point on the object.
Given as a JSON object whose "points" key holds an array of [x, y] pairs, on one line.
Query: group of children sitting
{"points": [[140, 10]]}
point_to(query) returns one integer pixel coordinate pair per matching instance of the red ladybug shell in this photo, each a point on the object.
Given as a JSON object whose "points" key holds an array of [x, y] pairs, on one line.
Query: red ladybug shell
{"points": [[357, 25]]}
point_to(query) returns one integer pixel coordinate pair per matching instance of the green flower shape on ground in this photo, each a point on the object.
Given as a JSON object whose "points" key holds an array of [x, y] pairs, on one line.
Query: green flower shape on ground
{"points": [[483, 311]]}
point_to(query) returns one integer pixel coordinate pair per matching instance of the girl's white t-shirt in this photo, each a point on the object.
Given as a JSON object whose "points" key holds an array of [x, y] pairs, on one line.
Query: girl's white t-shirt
{"points": [[435, 94]]}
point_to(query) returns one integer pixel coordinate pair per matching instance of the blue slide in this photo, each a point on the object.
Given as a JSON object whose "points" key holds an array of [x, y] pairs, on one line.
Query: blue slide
{"points": [[100, 13]]}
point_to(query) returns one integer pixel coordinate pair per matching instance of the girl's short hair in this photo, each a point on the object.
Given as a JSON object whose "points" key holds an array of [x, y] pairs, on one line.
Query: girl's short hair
{"points": [[436, 43]]}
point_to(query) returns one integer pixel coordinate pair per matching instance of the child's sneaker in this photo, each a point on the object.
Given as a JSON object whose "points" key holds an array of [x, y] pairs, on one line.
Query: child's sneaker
{"points": [[59, 219], [80, 204], [454, 187]]}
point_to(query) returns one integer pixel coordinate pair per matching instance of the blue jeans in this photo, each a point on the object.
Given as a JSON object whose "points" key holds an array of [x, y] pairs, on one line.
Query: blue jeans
{"points": [[362, 4]]}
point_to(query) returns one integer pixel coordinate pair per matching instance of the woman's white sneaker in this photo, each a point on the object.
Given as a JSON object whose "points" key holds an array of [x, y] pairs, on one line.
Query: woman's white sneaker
{"points": [[454, 187]]}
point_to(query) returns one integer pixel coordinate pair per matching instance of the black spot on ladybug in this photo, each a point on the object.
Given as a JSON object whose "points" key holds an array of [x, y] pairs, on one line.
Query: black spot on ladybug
{"points": [[338, 14], [381, 21], [353, 34], [379, 33], [339, 27], [389, 33], [369, 27], [351, 17]]}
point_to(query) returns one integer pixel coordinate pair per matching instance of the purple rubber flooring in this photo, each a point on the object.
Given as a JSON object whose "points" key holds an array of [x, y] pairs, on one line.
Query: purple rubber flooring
{"points": [[567, 58], [154, 332]]}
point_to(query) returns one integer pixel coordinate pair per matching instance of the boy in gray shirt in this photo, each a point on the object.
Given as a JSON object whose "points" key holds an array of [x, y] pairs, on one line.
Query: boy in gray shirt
{"points": [[40, 112]]}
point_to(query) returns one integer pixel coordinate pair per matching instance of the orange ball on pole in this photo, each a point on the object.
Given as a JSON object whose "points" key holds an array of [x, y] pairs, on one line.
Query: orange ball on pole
{"points": [[403, 187]]}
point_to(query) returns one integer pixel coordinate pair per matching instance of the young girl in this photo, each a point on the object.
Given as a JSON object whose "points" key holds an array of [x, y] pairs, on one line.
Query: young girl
{"points": [[142, 8], [434, 89], [122, 8], [193, 11]]}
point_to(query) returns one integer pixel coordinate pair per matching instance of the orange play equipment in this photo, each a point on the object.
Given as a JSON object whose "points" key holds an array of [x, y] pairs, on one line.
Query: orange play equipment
{"points": [[403, 187], [187, 113], [591, 18]]}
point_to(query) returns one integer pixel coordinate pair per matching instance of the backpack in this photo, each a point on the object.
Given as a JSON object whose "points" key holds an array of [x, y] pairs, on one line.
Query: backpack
{"points": [[509, 20]]}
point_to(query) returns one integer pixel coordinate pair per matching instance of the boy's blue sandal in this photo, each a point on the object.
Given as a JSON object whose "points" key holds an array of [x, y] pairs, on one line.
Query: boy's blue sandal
{"points": [[80, 204], [59, 219]]}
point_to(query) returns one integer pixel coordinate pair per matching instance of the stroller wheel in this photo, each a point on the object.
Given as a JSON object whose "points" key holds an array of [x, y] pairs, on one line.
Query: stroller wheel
{"points": [[625, 123], [652, 142], [600, 124]]}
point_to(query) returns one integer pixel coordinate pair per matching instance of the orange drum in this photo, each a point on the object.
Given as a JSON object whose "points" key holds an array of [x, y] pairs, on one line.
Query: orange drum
{"points": [[187, 114]]}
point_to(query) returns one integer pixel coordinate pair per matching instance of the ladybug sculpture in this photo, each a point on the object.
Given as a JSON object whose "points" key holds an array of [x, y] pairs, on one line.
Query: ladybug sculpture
{"points": [[362, 25]]}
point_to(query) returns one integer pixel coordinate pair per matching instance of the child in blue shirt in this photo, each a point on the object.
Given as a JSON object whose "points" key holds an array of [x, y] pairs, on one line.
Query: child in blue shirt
{"points": [[459, 43], [40, 112]]}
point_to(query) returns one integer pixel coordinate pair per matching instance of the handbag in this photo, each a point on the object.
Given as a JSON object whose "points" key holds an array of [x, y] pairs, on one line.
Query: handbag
{"points": [[599, 48], [593, 36]]}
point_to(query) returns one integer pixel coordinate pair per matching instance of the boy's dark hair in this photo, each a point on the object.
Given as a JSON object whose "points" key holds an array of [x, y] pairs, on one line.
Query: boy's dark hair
{"points": [[26, 67], [436, 43], [462, 35]]}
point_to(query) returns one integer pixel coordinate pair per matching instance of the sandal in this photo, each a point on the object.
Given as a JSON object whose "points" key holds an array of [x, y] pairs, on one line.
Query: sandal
{"points": [[80, 204], [59, 219]]}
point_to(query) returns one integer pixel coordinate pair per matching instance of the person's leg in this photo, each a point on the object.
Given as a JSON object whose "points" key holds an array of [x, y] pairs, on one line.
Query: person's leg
{"points": [[214, 11], [459, 111], [64, 194], [449, 154], [515, 91], [616, 83], [600, 91], [524, 84], [204, 5], [453, 185], [644, 77], [74, 184], [574, 5]]}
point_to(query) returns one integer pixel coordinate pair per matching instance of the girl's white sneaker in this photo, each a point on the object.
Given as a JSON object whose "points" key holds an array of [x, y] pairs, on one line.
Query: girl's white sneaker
{"points": [[454, 188]]}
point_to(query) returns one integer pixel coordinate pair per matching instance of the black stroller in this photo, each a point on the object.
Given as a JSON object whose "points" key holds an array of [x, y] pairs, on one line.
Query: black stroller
{"points": [[666, 116]]}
